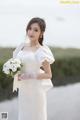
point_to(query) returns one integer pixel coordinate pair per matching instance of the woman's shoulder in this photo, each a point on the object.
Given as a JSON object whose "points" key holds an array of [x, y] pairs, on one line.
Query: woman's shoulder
{"points": [[46, 49]]}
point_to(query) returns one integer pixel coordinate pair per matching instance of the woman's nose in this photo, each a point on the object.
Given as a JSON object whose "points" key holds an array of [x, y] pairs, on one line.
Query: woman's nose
{"points": [[31, 32]]}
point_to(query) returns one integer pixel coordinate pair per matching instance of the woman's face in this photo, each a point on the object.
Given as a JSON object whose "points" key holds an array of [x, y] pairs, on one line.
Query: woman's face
{"points": [[34, 32]]}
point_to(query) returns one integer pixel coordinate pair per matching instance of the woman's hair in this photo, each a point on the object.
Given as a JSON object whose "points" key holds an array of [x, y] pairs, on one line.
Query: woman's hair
{"points": [[41, 24]]}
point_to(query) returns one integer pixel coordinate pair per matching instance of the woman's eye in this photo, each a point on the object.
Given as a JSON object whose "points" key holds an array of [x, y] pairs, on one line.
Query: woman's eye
{"points": [[36, 30]]}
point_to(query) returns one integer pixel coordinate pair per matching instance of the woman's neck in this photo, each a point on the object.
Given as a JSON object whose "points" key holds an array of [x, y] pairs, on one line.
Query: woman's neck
{"points": [[34, 44]]}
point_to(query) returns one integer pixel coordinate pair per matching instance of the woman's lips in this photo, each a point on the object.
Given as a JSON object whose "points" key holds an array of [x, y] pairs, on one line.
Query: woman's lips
{"points": [[31, 36]]}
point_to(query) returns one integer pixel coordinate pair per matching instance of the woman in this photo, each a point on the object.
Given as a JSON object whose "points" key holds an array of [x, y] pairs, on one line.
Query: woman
{"points": [[35, 78]]}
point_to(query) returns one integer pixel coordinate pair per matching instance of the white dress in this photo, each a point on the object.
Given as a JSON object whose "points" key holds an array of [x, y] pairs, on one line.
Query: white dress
{"points": [[32, 103]]}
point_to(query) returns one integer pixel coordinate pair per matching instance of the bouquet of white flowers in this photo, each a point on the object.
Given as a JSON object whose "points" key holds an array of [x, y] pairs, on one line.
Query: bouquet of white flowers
{"points": [[12, 66]]}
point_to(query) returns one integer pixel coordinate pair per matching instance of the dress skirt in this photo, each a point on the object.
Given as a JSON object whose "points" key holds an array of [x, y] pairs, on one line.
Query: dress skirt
{"points": [[32, 102]]}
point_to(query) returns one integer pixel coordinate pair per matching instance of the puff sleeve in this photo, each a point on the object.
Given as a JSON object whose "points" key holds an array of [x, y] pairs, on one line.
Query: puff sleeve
{"points": [[18, 48], [46, 54]]}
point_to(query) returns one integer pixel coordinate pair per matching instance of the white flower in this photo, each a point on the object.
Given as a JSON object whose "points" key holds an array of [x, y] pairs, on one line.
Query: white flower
{"points": [[12, 66], [6, 70]]}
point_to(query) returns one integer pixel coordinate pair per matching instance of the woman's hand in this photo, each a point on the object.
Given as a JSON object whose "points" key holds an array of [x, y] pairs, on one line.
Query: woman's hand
{"points": [[22, 77], [19, 77], [25, 76]]}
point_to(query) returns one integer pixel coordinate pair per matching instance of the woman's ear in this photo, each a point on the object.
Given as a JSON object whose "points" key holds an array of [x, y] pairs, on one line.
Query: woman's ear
{"points": [[41, 35]]}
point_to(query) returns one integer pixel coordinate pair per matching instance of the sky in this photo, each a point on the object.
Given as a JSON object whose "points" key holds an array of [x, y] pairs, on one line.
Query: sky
{"points": [[62, 22]]}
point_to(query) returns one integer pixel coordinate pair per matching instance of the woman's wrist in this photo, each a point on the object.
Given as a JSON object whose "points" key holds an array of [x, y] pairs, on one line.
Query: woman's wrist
{"points": [[27, 76]]}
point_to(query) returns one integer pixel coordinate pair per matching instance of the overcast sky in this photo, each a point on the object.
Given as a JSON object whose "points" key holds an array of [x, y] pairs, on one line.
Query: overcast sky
{"points": [[62, 21]]}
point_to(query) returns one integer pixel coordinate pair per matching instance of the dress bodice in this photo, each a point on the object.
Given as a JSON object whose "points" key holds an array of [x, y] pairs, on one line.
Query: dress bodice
{"points": [[29, 61]]}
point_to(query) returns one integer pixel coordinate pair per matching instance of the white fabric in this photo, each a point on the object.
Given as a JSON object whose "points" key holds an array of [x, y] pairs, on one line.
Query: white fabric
{"points": [[15, 52], [46, 54], [18, 48], [32, 93], [41, 54]]}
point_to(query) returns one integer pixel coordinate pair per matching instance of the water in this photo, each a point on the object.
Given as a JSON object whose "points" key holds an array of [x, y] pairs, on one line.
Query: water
{"points": [[63, 104]]}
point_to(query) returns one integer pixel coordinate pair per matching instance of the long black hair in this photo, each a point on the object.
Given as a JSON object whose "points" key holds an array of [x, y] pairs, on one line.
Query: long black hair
{"points": [[41, 24]]}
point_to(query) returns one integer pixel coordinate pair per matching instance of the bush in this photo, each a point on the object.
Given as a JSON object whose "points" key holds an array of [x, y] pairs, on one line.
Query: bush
{"points": [[66, 71], [6, 84]]}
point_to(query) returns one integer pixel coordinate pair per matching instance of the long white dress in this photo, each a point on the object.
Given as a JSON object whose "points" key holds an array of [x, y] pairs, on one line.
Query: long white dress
{"points": [[32, 103]]}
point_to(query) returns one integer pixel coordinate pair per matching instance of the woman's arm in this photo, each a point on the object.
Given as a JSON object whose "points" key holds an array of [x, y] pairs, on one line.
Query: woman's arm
{"points": [[47, 71]]}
